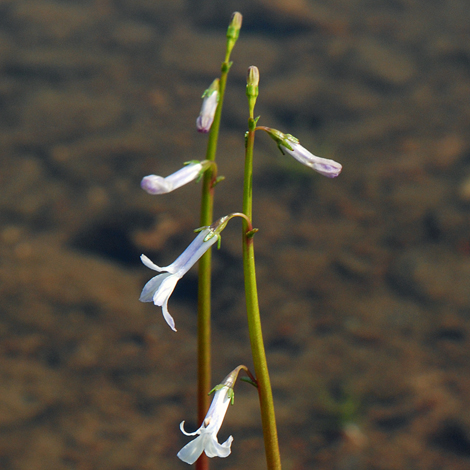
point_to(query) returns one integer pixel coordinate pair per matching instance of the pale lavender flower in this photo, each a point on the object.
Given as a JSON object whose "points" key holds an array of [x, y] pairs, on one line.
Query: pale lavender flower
{"points": [[209, 106], [288, 143], [324, 166], [159, 289], [206, 440], [154, 184]]}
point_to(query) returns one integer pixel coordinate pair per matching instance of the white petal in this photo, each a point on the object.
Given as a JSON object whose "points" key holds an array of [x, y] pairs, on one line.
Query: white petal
{"points": [[151, 264], [328, 168], [192, 451], [324, 166], [206, 117], [212, 447], [167, 286], [152, 286], [195, 433], [185, 175], [166, 315], [154, 184]]}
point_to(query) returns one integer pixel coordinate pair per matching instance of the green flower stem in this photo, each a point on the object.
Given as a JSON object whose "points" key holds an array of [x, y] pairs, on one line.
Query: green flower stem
{"points": [[204, 285], [268, 418]]}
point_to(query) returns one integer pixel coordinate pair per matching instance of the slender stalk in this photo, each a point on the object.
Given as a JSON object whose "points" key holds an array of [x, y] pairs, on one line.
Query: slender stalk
{"points": [[268, 418], [204, 286]]}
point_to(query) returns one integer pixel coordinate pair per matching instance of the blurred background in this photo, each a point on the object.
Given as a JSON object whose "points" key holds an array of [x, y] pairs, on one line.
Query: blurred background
{"points": [[364, 280]]}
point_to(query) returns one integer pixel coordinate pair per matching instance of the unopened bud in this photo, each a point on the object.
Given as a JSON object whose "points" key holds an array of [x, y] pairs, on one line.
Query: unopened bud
{"points": [[233, 31], [252, 78], [288, 143], [234, 27], [209, 107], [252, 81]]}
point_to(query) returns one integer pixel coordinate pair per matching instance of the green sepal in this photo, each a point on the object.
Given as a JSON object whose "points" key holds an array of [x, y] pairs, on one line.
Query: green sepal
{"points": [[230, 393], [212, 235], [252, 90], [213, 88], [216, 388], [288, 140], [281, 139]]}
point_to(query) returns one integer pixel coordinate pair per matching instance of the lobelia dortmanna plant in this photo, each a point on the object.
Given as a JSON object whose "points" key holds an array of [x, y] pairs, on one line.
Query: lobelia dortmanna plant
{"points": [[159, 288]]}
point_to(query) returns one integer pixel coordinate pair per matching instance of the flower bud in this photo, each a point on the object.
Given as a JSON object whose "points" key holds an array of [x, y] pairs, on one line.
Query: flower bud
{"points": [[288, 143], [252, 81], [209, 107], [233, 31], [154, 184], [252, 78]]}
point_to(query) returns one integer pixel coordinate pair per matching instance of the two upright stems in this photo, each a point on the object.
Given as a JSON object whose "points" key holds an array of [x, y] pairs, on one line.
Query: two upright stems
{"points": [[204, 288]]}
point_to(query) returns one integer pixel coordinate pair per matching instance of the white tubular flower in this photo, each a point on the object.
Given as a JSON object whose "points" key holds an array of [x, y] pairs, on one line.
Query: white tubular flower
{"points": [[288, 143], [324, 166], [159, 289], [154, 184], [209, 106], [206, 440]]}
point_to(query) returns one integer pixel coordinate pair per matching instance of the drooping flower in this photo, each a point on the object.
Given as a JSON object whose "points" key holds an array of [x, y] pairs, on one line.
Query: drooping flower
{"points": [[209, 106], [154, 184], [288, 143], [206, 440], [159, 289]]}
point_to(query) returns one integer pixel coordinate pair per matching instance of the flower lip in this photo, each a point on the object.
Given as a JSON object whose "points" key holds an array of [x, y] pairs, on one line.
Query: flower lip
{"points": [[206, 440], [154, 184]]}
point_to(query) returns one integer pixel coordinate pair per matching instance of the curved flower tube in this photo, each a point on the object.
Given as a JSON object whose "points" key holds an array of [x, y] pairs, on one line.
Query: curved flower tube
{"points": [[206, 440], [154, 184], [324, 166], [288, 143], [159, 289]]}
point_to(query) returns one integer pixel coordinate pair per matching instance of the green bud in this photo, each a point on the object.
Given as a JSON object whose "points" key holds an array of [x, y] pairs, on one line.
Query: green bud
{"points": [[233, 31], [252, 90], [235, 25], [252, 78]]}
